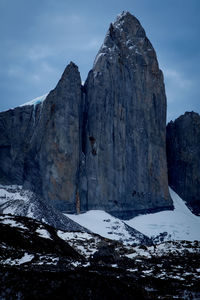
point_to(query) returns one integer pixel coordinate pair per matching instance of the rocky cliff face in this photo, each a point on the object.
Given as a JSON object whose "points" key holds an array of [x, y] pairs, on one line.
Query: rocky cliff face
{"points": [[52, 163], [183, 156], [126, 170], [40, 145], [101, 146]]}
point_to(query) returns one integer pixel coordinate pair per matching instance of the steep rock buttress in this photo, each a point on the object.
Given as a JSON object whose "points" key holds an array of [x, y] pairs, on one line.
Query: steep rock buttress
{"points": [[125, 156], [183, 157]]}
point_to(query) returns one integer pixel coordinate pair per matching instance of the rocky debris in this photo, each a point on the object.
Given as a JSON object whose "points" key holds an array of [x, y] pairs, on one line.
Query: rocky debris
{"points": [[36, 261], [106, 254], [183, 158], [24, 241], [17, 201], [101, 146]]}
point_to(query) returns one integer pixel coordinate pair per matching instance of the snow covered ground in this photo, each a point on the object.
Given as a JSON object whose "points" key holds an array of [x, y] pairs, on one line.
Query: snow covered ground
{"points": [[102, 223], [180, 224], [107, 226]]}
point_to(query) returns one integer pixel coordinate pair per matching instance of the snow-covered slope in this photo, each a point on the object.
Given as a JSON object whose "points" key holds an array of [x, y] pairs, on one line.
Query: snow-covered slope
{"points": [[110, 227], [15, 200], [180, 224]]}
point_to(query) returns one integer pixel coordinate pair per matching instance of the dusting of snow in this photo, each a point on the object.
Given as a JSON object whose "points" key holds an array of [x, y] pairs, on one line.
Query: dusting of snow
{"points": [[82, 242], [26, 258], [43, 233], [75, 264], [11, 187], [99, 55], [12, 223], [74, 235], [12, 192], [180, 224], [47, 260]]}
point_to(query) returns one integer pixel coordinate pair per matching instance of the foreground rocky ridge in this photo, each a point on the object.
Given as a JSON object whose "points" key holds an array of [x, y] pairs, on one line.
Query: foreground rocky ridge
{"points": [[35, 254], [183, 157], [16, 201], [101, 146]]}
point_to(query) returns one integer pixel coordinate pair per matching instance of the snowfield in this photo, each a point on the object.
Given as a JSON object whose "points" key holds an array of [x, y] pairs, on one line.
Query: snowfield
{"points": [[180, 224], [102, 223], [107, 226]]}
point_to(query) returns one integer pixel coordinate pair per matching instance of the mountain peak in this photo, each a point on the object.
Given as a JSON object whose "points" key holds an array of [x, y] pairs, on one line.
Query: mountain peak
{"points": [[126, 39], [127, 23], [70, 75]]}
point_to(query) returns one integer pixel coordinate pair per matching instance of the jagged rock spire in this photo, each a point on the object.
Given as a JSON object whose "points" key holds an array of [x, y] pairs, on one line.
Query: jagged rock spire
{"points": [[126, 169]]}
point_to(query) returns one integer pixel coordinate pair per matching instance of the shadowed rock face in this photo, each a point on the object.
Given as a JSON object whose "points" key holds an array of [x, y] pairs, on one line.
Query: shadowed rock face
{"points": [[101, 146], [183, 156], [126, 170], [53, 158], [40, 145], [16, 128]]}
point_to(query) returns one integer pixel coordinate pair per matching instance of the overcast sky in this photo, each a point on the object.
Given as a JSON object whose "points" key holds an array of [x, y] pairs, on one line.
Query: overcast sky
{"points": [[40, 37]]}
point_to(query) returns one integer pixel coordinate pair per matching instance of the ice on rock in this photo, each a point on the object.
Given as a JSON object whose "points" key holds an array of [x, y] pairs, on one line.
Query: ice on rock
{"points": [[35, 101]]}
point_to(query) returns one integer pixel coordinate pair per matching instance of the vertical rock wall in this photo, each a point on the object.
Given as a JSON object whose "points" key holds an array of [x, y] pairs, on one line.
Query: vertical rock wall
{"points": [[52, 164], [126, 169], [183, 157]]}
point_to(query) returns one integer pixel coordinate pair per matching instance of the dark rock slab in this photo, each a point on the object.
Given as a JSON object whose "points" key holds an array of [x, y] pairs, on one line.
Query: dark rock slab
{"points": [[52, 163], [40, 144], [183, 157]]}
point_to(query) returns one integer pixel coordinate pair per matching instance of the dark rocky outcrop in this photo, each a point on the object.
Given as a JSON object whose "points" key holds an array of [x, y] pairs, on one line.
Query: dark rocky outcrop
{"points": [[40, 145], [126, 171], [52, 163], [101, 146], [183, 156], [16, 127], [35, 263], [18, 202]]}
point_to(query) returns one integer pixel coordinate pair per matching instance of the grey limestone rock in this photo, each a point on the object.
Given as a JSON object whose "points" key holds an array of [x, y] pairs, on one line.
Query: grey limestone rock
{"points": [[125, 156], [52, 163], [183, 157], [40, 144], [101, 146], [16, 128]]}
